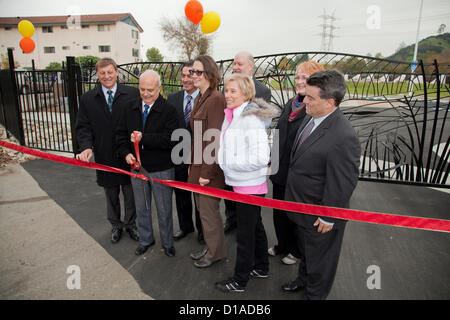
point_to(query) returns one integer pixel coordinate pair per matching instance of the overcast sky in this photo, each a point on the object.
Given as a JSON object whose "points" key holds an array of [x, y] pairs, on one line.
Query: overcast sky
{"points": [[269, 26]]}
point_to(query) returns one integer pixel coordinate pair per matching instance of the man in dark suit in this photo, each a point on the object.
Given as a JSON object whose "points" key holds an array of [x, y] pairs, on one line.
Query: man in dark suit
{"points": [[150, 120], [97, 119], [183, 101], [324, 171], [244, 63]]}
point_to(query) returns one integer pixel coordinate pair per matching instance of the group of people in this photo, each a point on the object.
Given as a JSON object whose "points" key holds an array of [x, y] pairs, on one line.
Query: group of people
{"points": [[229, 148]]}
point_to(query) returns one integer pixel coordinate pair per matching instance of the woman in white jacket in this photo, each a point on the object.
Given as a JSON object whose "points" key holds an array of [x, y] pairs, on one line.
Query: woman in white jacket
{"points": [[244, 155]]}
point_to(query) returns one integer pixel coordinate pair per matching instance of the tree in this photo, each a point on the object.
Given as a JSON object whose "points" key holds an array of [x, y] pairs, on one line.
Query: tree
{"points": [[441, 29], [154, 55], [86, 61], [4, 62], [186, 37], [54, 66]]}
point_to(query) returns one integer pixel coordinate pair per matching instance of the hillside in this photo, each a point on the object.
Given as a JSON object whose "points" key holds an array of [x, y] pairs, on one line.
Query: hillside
{"points": [[433, 47]]}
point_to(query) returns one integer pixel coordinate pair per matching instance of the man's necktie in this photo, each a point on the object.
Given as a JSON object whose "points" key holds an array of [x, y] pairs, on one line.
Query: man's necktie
{"points": [[188, 109], [144, 116], [110, 99], [305, 133]]}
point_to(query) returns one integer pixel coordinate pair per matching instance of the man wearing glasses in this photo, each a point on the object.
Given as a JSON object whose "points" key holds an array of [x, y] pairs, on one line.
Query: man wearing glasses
{"points": [[183, 102]]}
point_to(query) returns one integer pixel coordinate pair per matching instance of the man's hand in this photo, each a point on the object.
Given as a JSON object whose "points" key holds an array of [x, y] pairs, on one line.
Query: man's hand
{"points": [[136, 136], [202, 181], [323, 228], [130, 159], [85, 156]]}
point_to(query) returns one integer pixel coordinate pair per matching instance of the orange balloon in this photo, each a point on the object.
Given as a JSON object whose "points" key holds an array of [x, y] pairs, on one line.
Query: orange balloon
{"points": [[27, 45], [194, 11]]}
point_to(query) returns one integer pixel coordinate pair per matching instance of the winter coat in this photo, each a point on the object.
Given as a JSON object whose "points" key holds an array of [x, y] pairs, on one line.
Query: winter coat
{"points": [[95, 128], [244, 151]]}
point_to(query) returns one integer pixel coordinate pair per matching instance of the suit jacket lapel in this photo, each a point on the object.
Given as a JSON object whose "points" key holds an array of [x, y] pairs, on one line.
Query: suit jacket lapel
{"points": [[300, 129], [314, 136], [102, 101]]}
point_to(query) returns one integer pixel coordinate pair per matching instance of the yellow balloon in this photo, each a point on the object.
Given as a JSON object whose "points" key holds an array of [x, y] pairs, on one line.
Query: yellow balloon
{"points": [[26, 28], [210, 22]]}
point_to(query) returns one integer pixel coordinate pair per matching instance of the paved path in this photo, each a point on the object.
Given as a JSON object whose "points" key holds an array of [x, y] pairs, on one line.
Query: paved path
{"points": [[39, 239], [39, 242]]}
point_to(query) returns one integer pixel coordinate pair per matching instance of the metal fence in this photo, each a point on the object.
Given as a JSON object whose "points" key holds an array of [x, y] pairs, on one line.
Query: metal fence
{"points": [[399, 115]]}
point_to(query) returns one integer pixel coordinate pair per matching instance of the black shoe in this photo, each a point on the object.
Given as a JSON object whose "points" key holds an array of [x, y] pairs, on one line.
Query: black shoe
{"points": [[170, 252], [142, 249], [116, 233], [229, 285], [134, 234], [200, 238], [292, 286], [229, 226], [257, 273], [180, 235]]}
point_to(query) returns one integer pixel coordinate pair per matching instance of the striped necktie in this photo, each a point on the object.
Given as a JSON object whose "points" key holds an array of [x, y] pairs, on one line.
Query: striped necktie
{"points": [[305, 133], [188, 109], [144, 116], [110, 99]]}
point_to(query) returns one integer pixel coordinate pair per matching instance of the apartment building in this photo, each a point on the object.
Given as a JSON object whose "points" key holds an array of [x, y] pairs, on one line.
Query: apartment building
{"points": [[102, 35]]}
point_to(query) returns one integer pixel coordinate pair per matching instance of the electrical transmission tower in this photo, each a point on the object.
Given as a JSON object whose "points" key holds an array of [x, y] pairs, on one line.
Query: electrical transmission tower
{"points": [[328, 29]]}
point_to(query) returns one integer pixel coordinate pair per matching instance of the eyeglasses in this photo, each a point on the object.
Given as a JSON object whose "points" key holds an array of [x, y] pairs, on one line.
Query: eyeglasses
{"points": [[196, 72], [297, 78]]}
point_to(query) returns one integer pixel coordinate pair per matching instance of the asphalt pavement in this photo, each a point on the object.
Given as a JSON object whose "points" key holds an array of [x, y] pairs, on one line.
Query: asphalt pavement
{"points": [[53, 220]]}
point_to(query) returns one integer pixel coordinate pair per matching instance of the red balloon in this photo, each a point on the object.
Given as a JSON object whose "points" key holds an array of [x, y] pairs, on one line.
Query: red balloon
{"points": [[27, 45], [194, 11]]}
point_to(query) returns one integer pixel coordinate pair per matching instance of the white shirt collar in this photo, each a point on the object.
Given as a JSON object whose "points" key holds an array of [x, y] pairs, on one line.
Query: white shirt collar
{"points": [[105, 91]]}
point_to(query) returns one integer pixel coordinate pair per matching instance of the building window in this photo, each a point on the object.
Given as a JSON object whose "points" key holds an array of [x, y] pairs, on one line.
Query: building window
{"points": [[66, 47], [47, 29], [104, 48], [86, 47], [135, 52], [49, 49], [7, 28], [84, 26], [64, 27], [103, 27], [134, 34]]}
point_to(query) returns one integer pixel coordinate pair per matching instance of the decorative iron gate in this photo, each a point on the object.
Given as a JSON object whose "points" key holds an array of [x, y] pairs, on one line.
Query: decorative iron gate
{"points": [[399, 115]]}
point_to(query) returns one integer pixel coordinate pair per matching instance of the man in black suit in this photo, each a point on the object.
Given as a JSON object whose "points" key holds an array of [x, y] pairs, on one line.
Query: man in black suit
{"points": [[150, 120], [323, 170], [244, 63], [97, 118], [183, 101]]}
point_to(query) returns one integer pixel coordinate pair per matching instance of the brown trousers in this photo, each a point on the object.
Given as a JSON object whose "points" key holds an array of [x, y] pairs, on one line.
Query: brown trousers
{"points": [[212, 226]]}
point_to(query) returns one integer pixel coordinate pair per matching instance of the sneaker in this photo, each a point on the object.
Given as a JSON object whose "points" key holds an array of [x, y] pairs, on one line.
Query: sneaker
{"points": [[289, 259], [271, 251], [255, 273], [229, 285]]}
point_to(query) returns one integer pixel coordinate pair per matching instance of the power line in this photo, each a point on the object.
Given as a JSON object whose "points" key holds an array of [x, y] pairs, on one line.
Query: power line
{"points": [[328, 29]]}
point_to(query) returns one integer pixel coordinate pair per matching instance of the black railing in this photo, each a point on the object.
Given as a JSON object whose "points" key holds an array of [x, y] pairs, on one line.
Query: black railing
{"points": [[42, 96], [399, 115]]}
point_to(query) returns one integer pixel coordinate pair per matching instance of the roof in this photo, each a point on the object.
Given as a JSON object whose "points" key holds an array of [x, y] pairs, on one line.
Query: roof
{"points": [[61, 20]]}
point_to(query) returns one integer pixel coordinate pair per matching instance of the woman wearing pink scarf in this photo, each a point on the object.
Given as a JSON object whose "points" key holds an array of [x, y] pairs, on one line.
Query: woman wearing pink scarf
{"points": [[244, 155]]}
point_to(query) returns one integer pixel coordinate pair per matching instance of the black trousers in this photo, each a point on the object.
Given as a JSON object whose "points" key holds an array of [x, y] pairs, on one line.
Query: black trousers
{"points": [[284, 227], [230, 207], [183, 200], [319, 257], [251, 242], [113, 206]]}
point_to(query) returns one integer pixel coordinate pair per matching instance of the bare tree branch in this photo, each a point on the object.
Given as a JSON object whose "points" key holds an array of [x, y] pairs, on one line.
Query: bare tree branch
{"points": [[185, 37]]}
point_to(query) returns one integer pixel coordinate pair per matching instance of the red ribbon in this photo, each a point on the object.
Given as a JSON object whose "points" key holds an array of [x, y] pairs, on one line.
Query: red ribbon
{"points": [[340, 213]]}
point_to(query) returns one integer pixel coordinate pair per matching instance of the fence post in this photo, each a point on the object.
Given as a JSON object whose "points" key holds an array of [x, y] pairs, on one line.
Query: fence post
{"points": [[21, 136], [72, 100]]}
